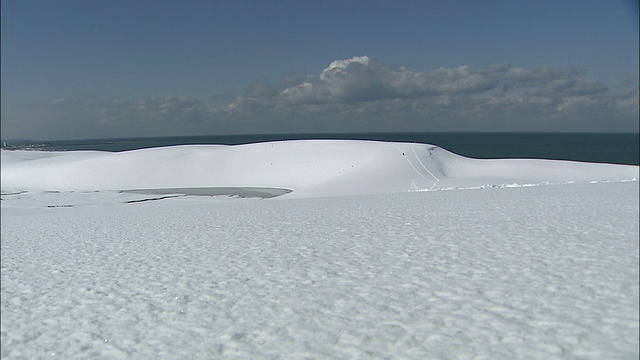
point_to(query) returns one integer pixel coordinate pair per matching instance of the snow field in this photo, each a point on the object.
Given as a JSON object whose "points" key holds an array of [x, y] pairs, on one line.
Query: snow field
{"points": [[365, 258], [538, 272]]}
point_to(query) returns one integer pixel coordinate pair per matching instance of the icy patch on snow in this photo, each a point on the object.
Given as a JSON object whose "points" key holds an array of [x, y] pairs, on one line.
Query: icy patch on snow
{"points": [[243, 192]]}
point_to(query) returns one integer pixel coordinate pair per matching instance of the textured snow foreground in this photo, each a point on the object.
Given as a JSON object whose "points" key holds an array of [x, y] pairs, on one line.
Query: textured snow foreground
{"points": [[508, 270]]}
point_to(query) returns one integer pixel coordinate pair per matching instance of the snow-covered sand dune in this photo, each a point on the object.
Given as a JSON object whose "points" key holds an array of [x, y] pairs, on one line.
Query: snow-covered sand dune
{"points": [[309, 168], [499, 272]]}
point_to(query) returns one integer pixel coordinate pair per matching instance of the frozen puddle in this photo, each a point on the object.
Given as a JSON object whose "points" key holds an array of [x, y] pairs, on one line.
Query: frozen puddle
{"points": [[245, 192]]}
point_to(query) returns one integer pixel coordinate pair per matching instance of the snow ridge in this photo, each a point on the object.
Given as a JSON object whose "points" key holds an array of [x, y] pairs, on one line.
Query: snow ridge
{"points": [[310, 168]]}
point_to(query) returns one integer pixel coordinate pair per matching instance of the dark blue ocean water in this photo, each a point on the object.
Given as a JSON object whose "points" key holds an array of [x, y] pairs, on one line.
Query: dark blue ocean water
{"points": [[608, 148]]}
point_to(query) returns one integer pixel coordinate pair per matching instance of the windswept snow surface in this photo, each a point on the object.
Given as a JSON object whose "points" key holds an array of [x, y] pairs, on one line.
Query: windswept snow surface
{"points": [[502, 271], [310, 168]]}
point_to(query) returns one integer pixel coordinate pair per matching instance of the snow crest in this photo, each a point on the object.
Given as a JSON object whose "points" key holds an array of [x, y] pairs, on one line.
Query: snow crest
{"points": [[310, 168]]}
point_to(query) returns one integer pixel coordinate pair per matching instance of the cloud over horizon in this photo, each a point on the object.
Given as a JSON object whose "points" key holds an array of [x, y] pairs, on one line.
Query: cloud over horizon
{"points": [[357, 94]]}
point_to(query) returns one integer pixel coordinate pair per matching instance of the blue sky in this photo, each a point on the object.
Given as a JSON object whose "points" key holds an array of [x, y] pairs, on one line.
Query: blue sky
{"points": [[110, 68]]}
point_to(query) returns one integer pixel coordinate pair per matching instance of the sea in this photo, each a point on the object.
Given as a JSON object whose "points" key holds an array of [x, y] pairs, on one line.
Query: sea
{"points": [[588, 147]]}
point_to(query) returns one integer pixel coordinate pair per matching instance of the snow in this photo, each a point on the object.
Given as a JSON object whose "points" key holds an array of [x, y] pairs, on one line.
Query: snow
{"points": [[524, 259], [311, 168]]}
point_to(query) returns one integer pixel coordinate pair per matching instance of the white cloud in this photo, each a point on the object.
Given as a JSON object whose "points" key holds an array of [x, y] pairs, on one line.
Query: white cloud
{"points": [[152, 110], [340, 65], [582, 103], [516, 77], [360, 94], [365, 92], [361, 79]]}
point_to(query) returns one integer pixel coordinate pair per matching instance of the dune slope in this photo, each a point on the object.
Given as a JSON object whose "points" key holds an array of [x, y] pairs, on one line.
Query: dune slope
{"points": [[308, 167]]}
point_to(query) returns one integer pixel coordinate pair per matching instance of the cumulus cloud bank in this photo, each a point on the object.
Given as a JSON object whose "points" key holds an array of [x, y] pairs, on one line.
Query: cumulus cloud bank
{"points": [[176, 109], [361, 79], [365, 94], [362, 91]]}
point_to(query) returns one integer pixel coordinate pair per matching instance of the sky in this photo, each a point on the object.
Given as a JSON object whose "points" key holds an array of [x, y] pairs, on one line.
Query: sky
{"points": [[115, 68]]}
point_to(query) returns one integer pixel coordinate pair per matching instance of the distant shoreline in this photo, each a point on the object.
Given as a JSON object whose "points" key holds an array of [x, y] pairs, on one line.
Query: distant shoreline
{"points": [[302, 136]]}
